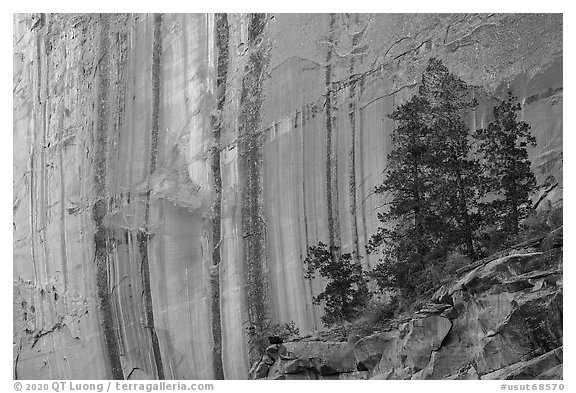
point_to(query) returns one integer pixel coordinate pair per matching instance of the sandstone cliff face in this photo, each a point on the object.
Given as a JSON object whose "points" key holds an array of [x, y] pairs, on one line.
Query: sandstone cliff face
{"points": [[170, 172], [500, 318]]}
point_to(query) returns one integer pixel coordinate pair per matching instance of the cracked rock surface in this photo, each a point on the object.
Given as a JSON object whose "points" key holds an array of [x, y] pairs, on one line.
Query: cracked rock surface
{"points": [[475, 327]]}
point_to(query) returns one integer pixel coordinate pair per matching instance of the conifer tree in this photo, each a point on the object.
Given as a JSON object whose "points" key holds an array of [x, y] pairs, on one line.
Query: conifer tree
{"points": [[503, 148], [411, 226], [459, 188], [431, 184]]}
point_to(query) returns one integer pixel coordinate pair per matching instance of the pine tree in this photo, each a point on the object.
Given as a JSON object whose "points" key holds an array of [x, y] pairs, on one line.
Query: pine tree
{"points": [[412, 228], [431, 184], [503, 147], [459, 188]]}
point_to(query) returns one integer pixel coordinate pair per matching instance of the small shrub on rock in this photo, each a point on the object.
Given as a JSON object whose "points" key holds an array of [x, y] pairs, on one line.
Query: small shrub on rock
{"points": [[346, 293]]}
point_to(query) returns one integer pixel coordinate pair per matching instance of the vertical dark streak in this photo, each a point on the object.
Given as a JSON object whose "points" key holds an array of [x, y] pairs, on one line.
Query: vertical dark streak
{"points": [[361, 171], [63, 247], [143, 236], [16, 361], [42, 216], [99, 209], [156, 57], [352, 167], [33, 181], [303, 152], [222, 35], [32, 213], [304, 207], [250, 174], [331, 163]]}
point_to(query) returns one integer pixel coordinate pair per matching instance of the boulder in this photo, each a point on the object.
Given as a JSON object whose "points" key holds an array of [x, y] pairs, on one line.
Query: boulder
{"points": [[495, 320], [368, 350], [412, 345], [311, 360], [284, 367], [328, 357]]}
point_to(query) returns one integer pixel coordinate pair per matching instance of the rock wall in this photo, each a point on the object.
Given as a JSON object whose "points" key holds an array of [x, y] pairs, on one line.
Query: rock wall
{"points": [[170, 171]]}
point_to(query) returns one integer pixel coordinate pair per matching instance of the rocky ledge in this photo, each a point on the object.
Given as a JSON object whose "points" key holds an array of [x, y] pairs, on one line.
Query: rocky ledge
{"points": [[499, 318]]}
